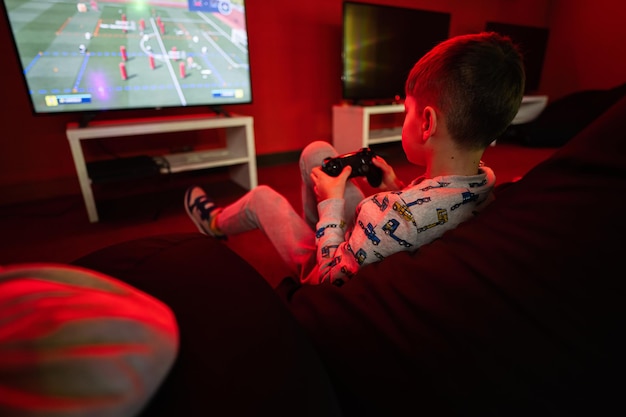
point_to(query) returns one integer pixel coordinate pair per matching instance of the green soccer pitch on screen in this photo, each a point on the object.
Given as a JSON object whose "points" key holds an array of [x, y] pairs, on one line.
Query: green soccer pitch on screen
{"points": [[118, 55]]}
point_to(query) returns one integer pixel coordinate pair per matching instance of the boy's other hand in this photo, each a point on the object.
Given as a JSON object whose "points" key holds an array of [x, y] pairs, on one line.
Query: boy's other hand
{"points": [[326, 186], [390, 181]]}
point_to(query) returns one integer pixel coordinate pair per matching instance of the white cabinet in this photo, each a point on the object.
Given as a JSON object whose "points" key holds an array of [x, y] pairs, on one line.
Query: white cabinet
{"points": [[239, 154], [353, 128]]}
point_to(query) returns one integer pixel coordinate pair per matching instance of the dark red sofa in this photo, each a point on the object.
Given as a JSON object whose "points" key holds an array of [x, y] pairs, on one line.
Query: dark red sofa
{"points": [[520, 311]]}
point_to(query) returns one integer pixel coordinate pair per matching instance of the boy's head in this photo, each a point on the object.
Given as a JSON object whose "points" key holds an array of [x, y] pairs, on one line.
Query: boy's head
{"points": [[475, 82]]}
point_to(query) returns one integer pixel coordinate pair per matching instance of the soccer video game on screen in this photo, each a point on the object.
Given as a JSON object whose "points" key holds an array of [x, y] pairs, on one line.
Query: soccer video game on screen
{"points": [[123, 54]]}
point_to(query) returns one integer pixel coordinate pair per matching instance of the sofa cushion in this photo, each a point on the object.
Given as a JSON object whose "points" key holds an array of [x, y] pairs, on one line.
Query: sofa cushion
{"points": [[241, 352], [74, 342], [519, 311]]}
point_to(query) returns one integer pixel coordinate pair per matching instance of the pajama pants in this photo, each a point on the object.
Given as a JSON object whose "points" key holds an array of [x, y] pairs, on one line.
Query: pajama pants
{"points": [[292, 234]]}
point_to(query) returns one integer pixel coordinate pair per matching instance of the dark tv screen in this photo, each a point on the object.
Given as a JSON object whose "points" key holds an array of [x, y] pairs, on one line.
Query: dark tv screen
{"points": [[91, 56], [532, 42], [380, 46]]}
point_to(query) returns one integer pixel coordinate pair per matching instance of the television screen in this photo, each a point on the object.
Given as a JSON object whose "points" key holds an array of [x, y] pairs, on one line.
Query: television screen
{"points": [[90, 56], [380, 46], [532, 42]]}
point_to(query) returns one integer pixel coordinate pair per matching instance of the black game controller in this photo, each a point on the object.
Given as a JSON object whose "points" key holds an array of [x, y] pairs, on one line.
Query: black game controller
{"points": [[361, 163]]}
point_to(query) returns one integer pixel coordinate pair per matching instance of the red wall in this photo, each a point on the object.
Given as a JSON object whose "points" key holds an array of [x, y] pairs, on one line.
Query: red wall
{"points": [[587, 46], [295, 61]]}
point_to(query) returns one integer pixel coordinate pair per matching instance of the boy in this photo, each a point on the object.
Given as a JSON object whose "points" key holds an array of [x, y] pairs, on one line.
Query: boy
{"points": [[459, 98]]}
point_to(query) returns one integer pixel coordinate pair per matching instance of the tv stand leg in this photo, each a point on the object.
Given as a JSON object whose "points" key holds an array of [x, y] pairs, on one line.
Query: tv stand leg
{"points": [[83, 179]]}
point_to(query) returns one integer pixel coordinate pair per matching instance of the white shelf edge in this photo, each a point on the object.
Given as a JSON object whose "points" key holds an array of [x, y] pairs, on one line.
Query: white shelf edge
{"points": [[386, 108], [154, 126]]}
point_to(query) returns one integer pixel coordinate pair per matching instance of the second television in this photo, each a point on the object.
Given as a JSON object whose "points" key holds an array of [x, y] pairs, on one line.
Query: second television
{"points": [[380, 46]]}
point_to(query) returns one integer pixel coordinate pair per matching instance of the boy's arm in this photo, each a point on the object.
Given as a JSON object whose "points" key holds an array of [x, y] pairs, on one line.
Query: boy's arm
{"points": [[379, 231]]}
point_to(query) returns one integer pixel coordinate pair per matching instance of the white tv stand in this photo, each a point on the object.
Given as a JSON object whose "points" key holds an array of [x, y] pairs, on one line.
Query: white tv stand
{"points": [[351, 126], [239, 153]]}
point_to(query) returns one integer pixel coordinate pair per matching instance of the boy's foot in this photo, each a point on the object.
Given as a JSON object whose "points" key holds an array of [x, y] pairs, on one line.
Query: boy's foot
{"points": [[202, 210]]}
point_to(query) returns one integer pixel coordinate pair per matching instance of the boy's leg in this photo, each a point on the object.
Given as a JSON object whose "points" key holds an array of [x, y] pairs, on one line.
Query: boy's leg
{"points": [[312, 156], [265, 209]]}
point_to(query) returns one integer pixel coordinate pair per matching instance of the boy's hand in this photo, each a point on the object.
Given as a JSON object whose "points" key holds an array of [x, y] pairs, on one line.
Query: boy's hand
{"points": [[326, 186], [390, 181]]}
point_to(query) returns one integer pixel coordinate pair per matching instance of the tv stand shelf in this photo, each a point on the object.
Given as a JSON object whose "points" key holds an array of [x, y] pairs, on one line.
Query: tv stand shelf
{"points": [[239, 154], [352, 126]]}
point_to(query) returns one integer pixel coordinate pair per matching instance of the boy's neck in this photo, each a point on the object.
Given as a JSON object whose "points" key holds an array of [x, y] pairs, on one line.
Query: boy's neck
{"points": [[454, 162]]}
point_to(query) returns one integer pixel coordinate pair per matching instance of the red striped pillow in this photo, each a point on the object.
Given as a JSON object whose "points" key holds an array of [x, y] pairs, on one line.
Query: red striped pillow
{"points": [[76, 342]]}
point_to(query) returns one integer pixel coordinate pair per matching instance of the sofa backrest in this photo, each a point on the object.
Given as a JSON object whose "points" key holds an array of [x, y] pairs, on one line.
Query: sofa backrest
{"points": [[518, 310]]}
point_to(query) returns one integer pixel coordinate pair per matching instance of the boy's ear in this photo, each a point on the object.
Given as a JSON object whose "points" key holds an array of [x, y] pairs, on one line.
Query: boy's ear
{"points": [[429, 122]]}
